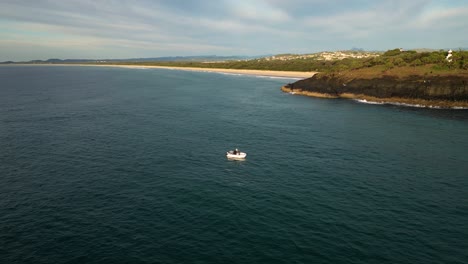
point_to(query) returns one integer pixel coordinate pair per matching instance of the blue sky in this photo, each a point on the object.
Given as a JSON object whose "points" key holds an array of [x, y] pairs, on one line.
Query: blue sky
{"points": [[41, 29]]}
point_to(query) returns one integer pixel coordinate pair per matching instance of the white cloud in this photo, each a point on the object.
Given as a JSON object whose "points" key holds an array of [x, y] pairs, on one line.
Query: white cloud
{"points": [[451, 17], [260, 11], [176, 27]]}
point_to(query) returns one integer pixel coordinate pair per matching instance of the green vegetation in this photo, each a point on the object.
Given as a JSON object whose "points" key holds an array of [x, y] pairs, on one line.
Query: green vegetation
{"points": [[424, 78], [432, 61]]}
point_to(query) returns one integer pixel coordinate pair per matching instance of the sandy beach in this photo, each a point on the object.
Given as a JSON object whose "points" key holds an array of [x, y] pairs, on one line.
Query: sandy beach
{"points": [[286, 74], [289, 74]]}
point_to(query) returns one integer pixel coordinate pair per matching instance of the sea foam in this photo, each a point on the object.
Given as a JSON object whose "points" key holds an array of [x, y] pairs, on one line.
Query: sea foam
{"points": [[364, 101]]}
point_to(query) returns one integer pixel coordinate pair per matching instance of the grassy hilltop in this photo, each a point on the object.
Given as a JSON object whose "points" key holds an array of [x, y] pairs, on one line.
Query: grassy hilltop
{"points": [[426, 79]]}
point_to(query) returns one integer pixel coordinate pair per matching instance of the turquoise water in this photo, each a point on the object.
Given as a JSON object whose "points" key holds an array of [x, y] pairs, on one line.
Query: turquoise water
{"points": [[114, 165]]}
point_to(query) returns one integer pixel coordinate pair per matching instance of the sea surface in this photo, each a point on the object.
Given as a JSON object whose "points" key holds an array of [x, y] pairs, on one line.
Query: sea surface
{"points": [[117, 165]]}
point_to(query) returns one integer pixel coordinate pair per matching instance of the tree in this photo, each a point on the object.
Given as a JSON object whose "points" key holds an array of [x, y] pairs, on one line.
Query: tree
{"points": [[392, 52], [389, 65], [416, 62], [399, 62]]}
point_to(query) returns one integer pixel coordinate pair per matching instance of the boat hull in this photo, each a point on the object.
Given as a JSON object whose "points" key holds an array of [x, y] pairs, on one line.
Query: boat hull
{"points": [[241, 155]]}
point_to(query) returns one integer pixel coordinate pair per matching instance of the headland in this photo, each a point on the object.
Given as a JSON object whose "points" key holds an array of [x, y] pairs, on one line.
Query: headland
{"points": [[441, 90]]}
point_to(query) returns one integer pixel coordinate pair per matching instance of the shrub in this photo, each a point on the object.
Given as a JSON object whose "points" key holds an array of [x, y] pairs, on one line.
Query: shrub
{"points": [[392, 52]]}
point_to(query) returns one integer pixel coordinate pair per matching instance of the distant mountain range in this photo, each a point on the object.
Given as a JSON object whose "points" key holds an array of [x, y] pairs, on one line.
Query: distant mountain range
{"points": [[207, 58]]}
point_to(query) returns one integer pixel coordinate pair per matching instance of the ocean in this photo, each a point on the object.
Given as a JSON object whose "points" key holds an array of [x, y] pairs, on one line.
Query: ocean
{"points": [[119, 165]]}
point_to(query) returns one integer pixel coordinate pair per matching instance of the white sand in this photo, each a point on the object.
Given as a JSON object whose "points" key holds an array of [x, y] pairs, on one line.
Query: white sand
{"points": [[289, 74], [286, 74]]}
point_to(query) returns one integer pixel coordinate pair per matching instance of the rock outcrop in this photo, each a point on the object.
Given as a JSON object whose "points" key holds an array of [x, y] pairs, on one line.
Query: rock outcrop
{"points": [[444, 91]]}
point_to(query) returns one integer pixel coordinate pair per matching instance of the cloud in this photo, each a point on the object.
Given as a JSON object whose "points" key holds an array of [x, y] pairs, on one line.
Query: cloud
{"points": [[180, 27], [370, 21], [260, 11], [445, 19]]}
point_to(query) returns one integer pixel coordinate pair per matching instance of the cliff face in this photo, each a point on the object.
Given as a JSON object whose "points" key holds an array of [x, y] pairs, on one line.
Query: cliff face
{"points": [[433, 88]]}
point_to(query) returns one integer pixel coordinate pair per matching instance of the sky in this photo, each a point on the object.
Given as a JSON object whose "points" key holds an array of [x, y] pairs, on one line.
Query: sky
{"points": [[100, 29]]}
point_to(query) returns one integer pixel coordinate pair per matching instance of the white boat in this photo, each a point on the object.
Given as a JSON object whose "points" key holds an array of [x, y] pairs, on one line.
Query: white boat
{"points": [[236, 154]]}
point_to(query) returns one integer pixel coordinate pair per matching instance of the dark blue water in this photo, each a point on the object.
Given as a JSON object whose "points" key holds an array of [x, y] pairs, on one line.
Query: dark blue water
{"points": [[113, 165]]}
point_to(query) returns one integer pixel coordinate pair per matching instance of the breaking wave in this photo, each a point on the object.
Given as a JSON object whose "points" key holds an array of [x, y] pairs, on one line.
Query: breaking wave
{"points": [[364, 101]]}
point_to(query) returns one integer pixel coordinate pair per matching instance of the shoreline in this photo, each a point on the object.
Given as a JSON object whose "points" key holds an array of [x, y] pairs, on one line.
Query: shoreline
{"points": [[286, 74], [409, 102], [266, 73]]}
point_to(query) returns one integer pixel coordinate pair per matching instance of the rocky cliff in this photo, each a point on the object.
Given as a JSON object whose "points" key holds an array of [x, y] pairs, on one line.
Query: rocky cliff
{"points": [[442, 91]]}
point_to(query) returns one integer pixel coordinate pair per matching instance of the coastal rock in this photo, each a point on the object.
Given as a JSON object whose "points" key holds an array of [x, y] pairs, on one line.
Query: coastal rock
{"points": [[437, 90]]}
